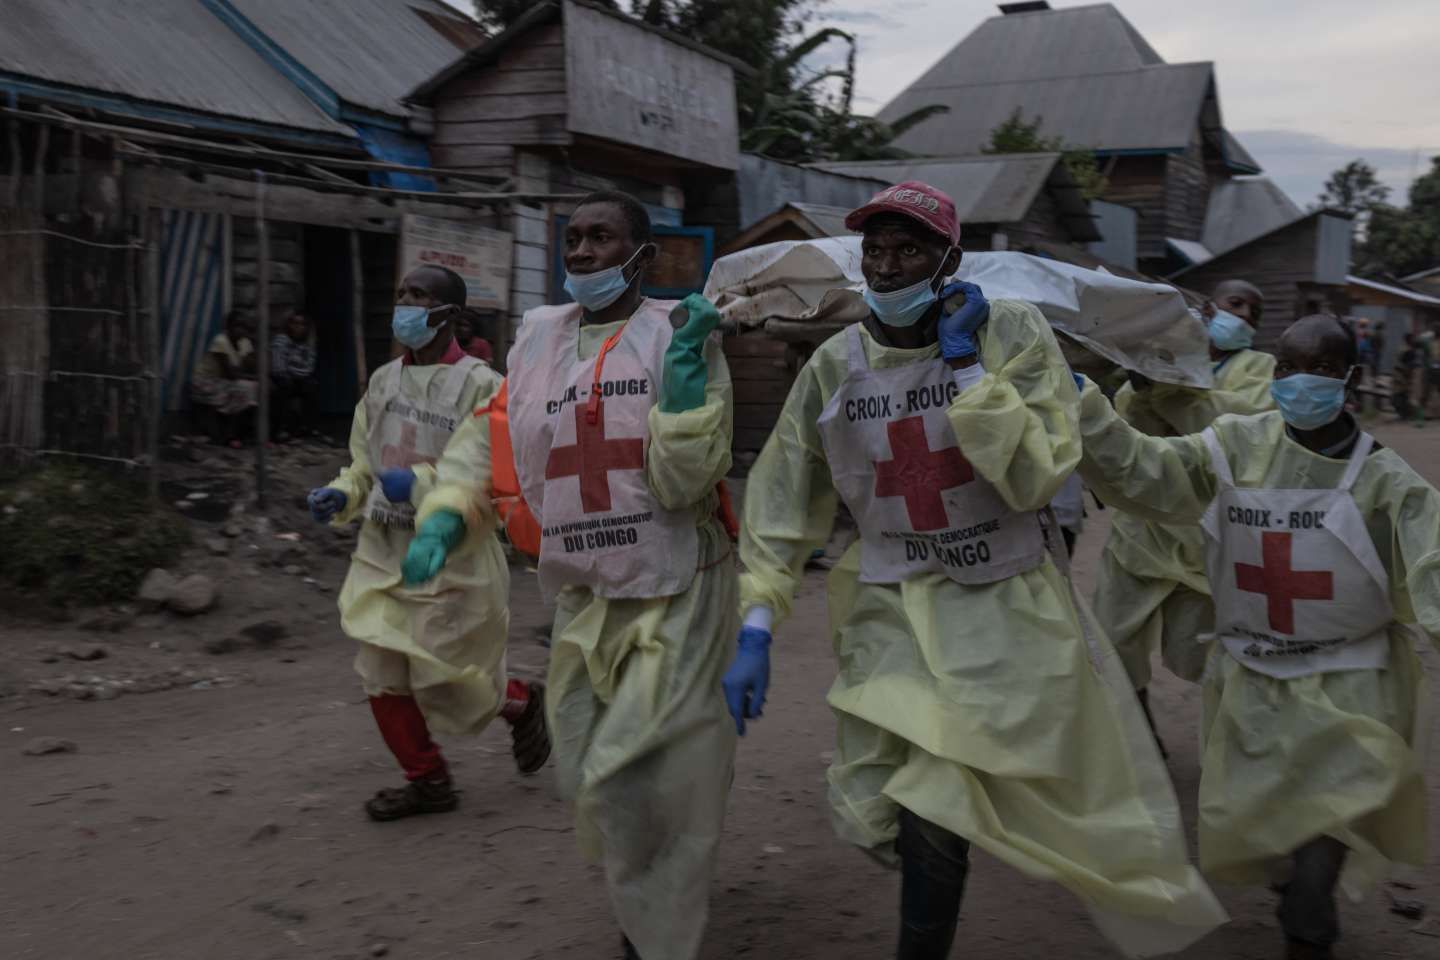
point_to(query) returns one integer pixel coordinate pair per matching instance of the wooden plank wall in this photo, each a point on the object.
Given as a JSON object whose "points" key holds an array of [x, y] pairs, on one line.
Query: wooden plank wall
{"points": [[1042, 222], [1281, 264], [1139, 183], [379, 253], [1187, 192], [762, 371], [519, 100], [24, 334], [287, 267]]}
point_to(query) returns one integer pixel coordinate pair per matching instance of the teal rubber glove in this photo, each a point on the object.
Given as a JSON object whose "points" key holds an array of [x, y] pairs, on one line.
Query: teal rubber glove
{"points": [[685, 374], [437, 536]]}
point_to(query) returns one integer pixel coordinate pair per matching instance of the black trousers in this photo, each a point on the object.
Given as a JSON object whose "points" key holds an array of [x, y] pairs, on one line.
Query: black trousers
{"points": [[1307, 910], [933, 865]]}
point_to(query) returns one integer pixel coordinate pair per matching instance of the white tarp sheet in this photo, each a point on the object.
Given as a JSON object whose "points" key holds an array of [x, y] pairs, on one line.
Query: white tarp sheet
{"points": [[1145, 327]]}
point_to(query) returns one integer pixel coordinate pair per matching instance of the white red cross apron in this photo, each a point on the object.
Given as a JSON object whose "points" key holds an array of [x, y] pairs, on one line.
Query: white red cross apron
{"points": [[920, 506], [405, 429], [1299, 588], [581, 443]]}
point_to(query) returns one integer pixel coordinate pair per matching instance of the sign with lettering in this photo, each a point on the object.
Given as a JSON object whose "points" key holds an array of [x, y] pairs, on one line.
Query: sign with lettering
{"points": [[481, 255], [631, 85]]}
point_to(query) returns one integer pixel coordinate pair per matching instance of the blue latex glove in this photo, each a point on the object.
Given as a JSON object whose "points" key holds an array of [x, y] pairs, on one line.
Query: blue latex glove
{"points": [[957, 330], [397, 483], [325, 502], [437, 536], [1079, 381], [684, 371], [748, 678]]}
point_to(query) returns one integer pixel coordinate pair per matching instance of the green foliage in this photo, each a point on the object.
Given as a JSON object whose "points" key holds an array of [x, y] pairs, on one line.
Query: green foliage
{"points": [[1400, 240], [1354, 189], [75, 536], [1015, 134]]}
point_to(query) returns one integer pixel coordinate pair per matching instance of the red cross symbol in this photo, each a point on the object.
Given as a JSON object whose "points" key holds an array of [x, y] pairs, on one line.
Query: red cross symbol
{"points": [[920, 474], [1281, 585], [403, 454], [591, 457]]}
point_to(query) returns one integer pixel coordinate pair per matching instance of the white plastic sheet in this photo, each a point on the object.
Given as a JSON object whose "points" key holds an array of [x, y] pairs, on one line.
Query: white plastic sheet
{"points": [[1144, 327]]}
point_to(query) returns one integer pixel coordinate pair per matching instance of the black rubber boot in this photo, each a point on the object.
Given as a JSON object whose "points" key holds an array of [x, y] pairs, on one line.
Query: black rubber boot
{"points": [[1307, 910], [933, 866]]}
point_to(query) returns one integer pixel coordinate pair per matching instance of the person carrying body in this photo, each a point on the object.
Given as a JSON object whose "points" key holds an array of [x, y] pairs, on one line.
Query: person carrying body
{"points": [[432, 654], [1323, 553], [975, 704], [1151, 591], [620, 428]]}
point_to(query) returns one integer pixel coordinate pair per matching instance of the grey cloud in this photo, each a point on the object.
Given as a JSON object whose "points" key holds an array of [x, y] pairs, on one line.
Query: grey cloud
{"points": [[1301, 162]]}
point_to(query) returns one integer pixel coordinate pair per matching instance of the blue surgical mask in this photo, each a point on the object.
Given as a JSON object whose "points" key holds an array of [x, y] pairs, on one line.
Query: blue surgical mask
{"points": [[411, 325], [596, 291], [1229, 332], [1308, 401], [904, 307]]}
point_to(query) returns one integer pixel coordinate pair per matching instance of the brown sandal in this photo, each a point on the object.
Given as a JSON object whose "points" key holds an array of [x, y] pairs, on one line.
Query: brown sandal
{"points": [[417, 796], [530, 737]]}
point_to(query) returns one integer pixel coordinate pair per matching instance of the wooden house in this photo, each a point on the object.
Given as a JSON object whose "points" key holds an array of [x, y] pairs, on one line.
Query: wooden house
{"points": [[1393, 310], [1089, 78], [165, 162], [575, 97], [1301, 267]]}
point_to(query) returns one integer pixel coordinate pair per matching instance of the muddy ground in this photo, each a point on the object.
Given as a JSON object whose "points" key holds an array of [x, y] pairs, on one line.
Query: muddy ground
{"points": [[218, 815]]}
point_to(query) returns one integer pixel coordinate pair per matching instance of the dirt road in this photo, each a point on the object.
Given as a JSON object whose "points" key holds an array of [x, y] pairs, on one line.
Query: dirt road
{"points": [[221, 818]]}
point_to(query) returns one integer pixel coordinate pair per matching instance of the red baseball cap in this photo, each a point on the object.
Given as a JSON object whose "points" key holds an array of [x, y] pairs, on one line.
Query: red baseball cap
{"points": [[913, 199]]}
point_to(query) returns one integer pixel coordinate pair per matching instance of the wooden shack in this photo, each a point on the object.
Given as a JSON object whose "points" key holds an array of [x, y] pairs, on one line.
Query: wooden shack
{"points": [[574, 97], [1300, 267]]}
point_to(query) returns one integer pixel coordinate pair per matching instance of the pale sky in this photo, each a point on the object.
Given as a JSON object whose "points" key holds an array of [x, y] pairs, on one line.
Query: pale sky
{"points": [[1307, 85]]}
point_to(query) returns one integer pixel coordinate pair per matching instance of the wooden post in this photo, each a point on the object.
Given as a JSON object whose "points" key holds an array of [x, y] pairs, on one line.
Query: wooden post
{"points": [[153, 227], [42, 148], [357, 311], [17, 165], [262, 348]]}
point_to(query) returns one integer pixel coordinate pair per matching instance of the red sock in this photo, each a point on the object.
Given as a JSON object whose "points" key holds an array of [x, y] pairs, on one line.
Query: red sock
{"points": [[517, 698], [403, 727]]}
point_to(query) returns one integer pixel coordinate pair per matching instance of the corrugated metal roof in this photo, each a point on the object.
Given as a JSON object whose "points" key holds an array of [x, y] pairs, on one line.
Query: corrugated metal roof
{"points": [[1085, 71], [1196, 253], [828, 220], [986, 189], [172, 52], [1152, 108], [1394, 291], [370, 52], [1241, 210]]}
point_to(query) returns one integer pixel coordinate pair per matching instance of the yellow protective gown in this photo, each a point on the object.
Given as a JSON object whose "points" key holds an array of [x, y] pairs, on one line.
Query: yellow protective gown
{"points": [[644, 745], [1335, 754], [994, 711], [1152, 591], [442, 641]]}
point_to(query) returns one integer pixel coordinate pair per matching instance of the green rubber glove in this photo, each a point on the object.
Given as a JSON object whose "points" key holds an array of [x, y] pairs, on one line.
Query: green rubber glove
{"points": [[685, 374], [437, 536]]}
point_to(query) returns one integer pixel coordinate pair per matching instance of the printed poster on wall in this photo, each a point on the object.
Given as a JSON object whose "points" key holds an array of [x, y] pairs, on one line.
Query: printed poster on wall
{"points": [[481, 255]]}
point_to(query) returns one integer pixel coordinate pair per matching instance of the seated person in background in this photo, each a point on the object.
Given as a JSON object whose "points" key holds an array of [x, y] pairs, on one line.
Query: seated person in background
{"points": [[224, 380], [470, 341], [292, 377]]}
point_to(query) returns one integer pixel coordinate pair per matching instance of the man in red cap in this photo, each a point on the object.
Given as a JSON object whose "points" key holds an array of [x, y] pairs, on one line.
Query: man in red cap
{"points": [[975, 705]]}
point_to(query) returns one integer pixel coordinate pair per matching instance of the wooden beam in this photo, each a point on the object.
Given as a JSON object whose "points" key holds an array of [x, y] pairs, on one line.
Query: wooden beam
{"points": [[357, 312], [56, 118], [262, 348], [151, 219]]}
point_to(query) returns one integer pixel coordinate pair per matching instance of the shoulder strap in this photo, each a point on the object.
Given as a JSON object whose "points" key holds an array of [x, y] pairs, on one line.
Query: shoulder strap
{"points": [[1363, 446], [456, 376], [1218, 461], [855, 348]]}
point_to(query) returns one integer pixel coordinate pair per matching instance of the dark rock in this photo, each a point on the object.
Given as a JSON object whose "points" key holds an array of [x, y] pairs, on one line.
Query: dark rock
{"points": [[40, 746]]}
